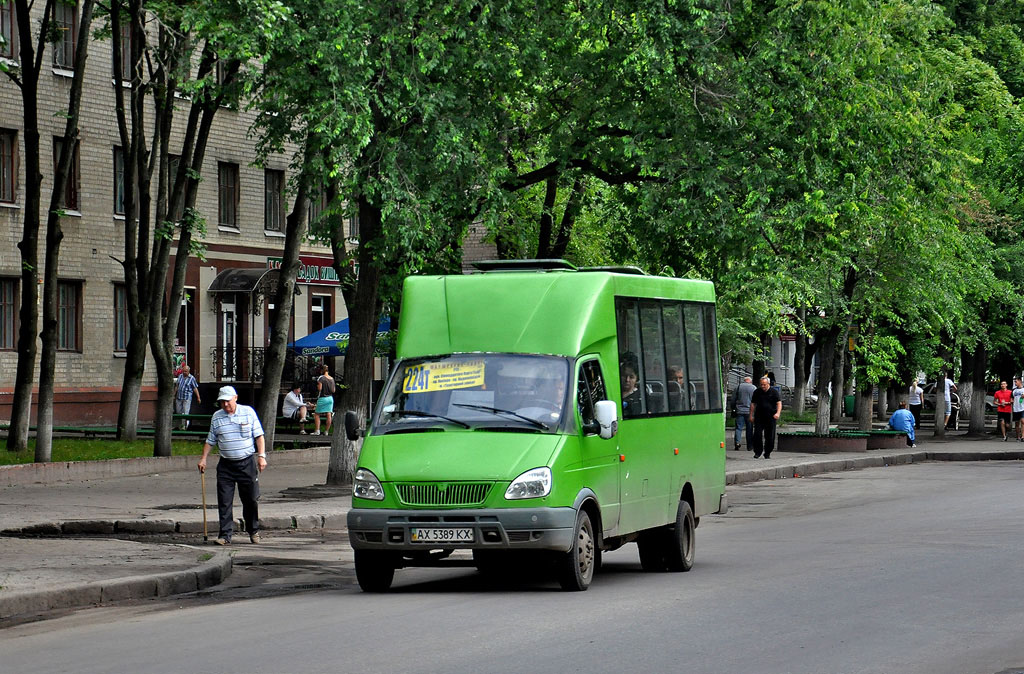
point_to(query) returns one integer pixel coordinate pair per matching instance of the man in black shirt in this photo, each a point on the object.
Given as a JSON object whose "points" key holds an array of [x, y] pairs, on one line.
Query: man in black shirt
{"points": [[765, 409]]}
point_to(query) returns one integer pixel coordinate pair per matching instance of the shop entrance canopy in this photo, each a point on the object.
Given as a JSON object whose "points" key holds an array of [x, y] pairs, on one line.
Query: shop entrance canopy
{"points": [[332, 340]]}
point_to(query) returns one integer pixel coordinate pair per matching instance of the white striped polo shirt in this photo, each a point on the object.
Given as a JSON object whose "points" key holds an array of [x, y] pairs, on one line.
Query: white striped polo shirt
{"points": [[233, 434]]}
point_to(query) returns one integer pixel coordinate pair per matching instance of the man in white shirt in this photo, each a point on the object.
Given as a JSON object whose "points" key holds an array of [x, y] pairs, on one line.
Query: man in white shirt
{"points": [[1018, 408], [238, 435], [950, 386], [294, 407]]}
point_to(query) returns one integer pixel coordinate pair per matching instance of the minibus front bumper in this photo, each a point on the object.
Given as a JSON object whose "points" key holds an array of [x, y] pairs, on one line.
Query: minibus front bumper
{"points": [[481, 528]]}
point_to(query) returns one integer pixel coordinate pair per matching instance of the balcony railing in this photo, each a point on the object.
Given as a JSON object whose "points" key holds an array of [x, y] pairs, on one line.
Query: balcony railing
{"points": [[246, 365]]}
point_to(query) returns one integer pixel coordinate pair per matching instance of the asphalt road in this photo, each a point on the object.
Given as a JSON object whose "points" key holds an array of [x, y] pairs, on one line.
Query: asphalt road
{"points": [[890, 570]]}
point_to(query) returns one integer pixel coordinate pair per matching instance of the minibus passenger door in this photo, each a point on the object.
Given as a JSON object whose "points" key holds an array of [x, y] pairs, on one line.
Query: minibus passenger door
{"points": [[600, 457]]}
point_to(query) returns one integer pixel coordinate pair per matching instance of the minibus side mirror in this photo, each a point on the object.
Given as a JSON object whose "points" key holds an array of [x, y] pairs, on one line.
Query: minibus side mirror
{"points": [[607, 418], [352, 430]]}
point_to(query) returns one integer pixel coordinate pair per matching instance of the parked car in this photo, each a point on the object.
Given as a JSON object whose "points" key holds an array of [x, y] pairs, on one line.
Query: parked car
{"points": [[928, 399]]}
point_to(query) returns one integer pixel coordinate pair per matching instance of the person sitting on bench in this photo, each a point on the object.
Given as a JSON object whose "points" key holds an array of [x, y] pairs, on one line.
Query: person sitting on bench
{"points": [[294, 407]]}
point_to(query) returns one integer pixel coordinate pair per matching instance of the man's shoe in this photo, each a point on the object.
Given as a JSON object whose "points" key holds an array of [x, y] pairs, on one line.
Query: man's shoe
{"points": [[302, 431], [757, 455], [913, 446], [223, 541], [1004, 438], [254, 538], [315, 433], [767, 456]]}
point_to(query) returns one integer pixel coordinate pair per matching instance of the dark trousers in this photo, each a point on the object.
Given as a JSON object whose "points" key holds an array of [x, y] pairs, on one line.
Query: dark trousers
{"points": [[246, 475], [764, 436], [916, 411]]}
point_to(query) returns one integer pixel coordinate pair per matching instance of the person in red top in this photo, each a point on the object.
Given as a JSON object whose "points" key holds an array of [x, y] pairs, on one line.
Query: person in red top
{"points": [[1003, 399]]}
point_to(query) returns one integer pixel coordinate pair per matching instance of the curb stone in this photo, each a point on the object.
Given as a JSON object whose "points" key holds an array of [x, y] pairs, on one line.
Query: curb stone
{"points": [[207, 574]]}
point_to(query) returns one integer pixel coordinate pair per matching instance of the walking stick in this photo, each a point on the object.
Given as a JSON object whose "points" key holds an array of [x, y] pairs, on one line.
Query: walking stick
{"points": [[203, 480]]}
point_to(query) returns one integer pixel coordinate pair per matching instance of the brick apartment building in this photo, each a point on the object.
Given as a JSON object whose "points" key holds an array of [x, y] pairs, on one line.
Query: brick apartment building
{"points": [[223, 327]]}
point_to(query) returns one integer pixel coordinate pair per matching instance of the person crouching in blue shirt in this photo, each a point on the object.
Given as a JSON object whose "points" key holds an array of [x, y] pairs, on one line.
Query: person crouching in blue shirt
{"points": [[903, 420]]}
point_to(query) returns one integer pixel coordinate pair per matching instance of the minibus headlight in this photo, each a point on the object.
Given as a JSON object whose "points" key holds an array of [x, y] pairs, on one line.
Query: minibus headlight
{"points": [[531, 484], [366, 485]]}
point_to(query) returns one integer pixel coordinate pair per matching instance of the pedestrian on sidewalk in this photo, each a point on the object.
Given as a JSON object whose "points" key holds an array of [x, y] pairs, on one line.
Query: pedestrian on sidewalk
{"points": [[903, 420], [949, 386], [1004, 409], [325, 400], [1018, 408], [294, 407], [184, 387], [740, 405], [915, 403], [765, 410], [236, 431]]}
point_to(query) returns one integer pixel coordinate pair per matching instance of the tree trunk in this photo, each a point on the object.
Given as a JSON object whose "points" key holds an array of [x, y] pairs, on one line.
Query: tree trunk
{"points": [[940, 406], [838, 368], [363, 318], [136, 228], [865, 406], [965, 387], [827, 350], [163, 322], [547, 217], [977, 423], [799, 362], [883, 401], [572, 210], [28, 313], [273, 364], [54, 236]]}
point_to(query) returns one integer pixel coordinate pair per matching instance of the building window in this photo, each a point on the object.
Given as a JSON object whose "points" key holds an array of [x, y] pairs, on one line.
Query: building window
{"points": [[8, 169], [227, 180], [273, 197], [65, 22], [8, 30], [121, 330], [317, 205], [222, 71], [68, 316], [123, 70], [353, 226], [71, 182], [8, 313], [118, 181]]}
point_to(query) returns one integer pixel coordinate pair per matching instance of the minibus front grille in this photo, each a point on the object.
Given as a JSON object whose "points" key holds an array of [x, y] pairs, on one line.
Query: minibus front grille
{"points": [[443, 493]]}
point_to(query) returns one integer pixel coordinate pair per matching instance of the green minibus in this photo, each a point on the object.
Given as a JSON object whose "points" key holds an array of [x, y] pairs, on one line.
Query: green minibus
{"points": [[544, 411]]}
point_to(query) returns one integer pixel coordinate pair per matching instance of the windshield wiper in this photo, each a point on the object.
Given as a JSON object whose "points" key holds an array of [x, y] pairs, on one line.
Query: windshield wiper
{"points": [[495, 410], [421, 413]]}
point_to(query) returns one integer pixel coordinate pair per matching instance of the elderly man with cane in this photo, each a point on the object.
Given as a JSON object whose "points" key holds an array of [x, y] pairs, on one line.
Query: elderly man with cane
{"points": [[236, 431]]}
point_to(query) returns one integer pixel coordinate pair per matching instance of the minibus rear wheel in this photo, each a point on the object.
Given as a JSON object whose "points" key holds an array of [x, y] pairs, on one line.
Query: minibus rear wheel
{"points": [[374, 570], [576, 567]]}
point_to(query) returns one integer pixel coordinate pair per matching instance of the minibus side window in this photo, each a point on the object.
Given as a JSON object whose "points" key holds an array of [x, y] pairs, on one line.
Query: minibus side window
{"points": [[627, 320], [713, 362], [590, 389], [675, 352], [654, 357], [696, 354]]}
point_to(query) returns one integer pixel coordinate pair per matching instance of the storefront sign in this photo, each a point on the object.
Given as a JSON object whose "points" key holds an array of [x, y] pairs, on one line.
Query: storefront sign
{"points": [[317, 271]]}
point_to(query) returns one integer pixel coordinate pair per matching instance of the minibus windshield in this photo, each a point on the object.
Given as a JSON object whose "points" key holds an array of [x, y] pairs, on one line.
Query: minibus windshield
{"points": [[483, 391]]}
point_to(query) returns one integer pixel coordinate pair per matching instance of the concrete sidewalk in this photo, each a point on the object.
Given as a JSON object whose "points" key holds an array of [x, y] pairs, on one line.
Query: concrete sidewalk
{"points": [[77, 542]]}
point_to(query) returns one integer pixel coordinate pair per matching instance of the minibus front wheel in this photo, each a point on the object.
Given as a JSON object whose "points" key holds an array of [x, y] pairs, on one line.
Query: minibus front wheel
{"points": [[374, 570], [576, 567]]}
